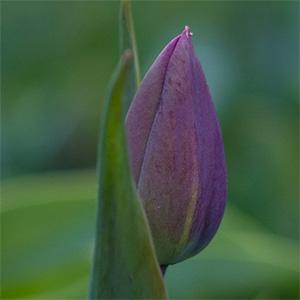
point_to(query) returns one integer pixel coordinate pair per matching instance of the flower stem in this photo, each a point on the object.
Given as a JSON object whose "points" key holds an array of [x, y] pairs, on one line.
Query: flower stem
{"points": [[163, 269], [128, 39]]}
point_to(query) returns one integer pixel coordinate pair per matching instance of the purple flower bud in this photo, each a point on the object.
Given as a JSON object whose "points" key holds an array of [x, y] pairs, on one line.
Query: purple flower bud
{"points": [[176, 153]]}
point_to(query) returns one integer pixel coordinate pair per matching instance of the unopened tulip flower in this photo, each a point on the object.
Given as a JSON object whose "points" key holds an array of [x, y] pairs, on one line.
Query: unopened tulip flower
{"points": [[176, 153]]}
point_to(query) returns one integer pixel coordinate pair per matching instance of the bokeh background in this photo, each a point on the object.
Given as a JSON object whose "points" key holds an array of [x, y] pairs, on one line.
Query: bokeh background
{"points": [[56, 62]]}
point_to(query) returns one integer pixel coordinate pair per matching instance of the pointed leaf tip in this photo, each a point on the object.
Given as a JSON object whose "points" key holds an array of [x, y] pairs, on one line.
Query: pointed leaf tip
{"points": [[125, 265]]}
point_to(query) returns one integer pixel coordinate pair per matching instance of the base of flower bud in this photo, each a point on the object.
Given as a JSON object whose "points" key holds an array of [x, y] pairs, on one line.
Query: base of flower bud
{"points": [[163, 269]]}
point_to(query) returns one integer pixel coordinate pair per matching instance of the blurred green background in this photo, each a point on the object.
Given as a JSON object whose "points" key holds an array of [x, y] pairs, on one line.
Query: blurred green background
{"points": [[56, 61]]}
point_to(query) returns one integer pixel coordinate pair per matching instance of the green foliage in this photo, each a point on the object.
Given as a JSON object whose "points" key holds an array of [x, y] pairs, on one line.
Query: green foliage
{"points": [[125, 264], [46, 245]]}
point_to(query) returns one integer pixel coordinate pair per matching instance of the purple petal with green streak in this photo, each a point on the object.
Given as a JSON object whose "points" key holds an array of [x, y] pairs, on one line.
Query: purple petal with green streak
{"points": [[176, 153]]}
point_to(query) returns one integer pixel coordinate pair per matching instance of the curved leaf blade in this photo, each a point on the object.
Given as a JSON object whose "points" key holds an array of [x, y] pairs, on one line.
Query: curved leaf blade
{"points": [[125, 264]]}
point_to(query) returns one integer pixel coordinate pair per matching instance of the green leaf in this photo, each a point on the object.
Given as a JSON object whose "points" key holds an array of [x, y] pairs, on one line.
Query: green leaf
{"points": [[47, 231], [47, 228], [125, 264], [128, 41]]}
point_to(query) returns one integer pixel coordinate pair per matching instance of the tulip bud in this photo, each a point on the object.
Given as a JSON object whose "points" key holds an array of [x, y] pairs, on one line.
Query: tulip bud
{"points": [[176, 153]]}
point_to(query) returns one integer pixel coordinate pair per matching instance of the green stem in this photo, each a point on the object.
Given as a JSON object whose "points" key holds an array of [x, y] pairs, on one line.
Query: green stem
{"points": [[128, 39]]}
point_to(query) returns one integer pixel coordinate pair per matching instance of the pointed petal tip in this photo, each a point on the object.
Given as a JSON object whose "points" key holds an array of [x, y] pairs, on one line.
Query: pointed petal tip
{"points": [[187, 32]]}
